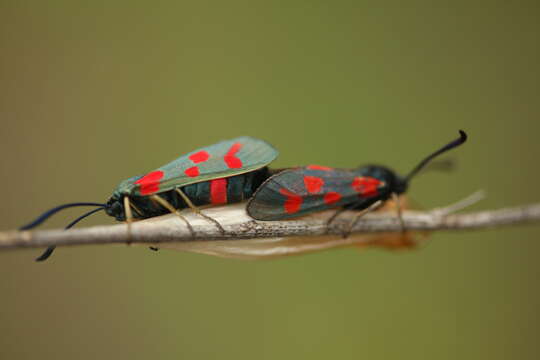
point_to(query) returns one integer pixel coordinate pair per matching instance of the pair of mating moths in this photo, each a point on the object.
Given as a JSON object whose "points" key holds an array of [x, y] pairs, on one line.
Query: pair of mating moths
{"points": [[235, 170]]}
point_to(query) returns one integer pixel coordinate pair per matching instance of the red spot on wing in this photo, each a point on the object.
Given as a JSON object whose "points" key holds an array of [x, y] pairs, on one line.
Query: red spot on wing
{"points": [[366, 186], [149, 183], [233, 162], [319, 167], [192, 171], [331, 197], [293, 202], [218, 191], [234, 149], [313, 184], [230, 157], [199, 156]]}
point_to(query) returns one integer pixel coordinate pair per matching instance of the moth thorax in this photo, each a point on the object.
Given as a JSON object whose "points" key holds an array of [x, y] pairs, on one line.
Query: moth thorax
{"points": [[396, 184]]}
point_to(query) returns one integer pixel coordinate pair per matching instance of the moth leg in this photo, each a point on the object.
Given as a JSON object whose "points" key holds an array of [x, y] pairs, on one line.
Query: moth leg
{"points": [[137, 210], [129, 218], [171, 208], [363, 212], [128, 206], [198, 211], [395, 197], [332, 218]]}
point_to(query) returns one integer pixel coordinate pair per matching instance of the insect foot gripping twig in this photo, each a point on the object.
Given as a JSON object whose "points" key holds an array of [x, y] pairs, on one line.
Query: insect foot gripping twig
{"points": [[198, 211], [357, 217], [171, 208]]}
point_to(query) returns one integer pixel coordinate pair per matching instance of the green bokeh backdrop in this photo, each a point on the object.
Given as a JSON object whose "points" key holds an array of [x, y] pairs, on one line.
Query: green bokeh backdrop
{"points": [[95, 92]]}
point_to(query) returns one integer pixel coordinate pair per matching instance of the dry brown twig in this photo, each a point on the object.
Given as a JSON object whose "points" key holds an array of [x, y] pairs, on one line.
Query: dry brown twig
{"points": [[247, 238]]}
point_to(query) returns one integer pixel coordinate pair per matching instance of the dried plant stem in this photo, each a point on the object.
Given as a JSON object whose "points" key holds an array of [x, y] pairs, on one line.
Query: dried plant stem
{"points": [[238, 226]]}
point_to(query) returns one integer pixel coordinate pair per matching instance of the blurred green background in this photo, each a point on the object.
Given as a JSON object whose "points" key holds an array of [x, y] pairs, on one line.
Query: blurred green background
{"points": [[94, 92]]}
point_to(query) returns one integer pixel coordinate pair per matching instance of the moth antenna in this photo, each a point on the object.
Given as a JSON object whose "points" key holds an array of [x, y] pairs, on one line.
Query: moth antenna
{"points": [[462, 138], [48, 252], [47, 214]]}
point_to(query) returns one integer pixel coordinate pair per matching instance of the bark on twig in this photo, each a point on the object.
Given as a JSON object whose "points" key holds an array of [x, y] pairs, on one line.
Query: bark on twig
{"points": [[164, 230]]}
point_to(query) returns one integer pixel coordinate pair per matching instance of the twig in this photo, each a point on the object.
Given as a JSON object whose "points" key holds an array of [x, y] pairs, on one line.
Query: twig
{"points": [[239, 227]]}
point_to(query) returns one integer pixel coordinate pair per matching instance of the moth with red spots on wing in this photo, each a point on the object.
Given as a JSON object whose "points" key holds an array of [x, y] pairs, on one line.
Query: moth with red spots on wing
{"points": [[227, 172], [305, 190], [301, 191]]}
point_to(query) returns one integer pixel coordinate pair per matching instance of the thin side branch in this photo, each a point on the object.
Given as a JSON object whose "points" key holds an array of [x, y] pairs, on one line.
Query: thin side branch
{"points": [[239, 227]]}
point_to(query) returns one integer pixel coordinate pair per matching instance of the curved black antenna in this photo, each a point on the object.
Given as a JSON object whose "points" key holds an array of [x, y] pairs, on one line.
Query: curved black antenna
{"points": [[74, 222], [449, 146], [48, 252], [49, 213]]}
